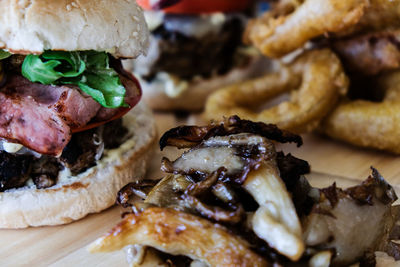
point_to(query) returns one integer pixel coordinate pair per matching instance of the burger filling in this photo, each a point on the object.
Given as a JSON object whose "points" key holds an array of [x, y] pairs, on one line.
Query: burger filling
{"points": [[184, 48], [83, 151], [51, 107]]}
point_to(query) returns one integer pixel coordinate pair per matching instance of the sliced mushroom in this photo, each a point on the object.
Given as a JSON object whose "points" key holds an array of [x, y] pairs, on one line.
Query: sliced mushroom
{"points": [[321, 259], [215, 213], [276, 220], [179, 233], [177, 192], [210, 180], [253, 159], [352, 221], [208, 160], [168, 191], [189, 136], [233, 176], [238, 154], [224, 193], [139, 189]]}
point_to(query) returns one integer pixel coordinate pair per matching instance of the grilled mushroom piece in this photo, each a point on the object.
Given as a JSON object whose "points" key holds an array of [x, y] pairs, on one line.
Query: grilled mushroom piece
{"points": [[237, 153], [354, 221], [250, 161], [189, 136], [180, 233], [232, 200], [210, 180], [138, 188]]}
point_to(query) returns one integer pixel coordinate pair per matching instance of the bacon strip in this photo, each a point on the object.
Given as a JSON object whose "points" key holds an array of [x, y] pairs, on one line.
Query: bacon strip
{"points": [[42, 117]]}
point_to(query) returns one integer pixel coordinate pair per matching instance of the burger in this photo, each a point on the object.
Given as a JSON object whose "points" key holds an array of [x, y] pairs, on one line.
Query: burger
{"points": [[195, 48], [65, 149]]}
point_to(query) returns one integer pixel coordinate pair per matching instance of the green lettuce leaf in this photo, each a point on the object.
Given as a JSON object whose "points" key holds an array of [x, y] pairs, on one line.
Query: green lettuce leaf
{"points": [[89, 70], [4, 54], [100, 75]]}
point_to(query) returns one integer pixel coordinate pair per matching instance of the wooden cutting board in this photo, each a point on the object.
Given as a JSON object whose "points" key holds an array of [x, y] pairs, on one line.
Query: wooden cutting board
{"points": [[66, 245]]}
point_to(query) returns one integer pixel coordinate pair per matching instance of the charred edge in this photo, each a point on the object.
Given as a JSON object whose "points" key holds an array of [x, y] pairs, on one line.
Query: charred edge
{"points": [[374, 187], [215, 213], [330, 193], [291, 168], [131, 189], [183, 136], [166, 165], [252, 156], [188, 136], [194, 191], [205, 185], [270, 131]]}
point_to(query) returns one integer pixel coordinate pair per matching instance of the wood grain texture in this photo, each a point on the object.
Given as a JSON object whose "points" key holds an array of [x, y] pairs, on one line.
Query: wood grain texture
{"points": [[66, 245]]}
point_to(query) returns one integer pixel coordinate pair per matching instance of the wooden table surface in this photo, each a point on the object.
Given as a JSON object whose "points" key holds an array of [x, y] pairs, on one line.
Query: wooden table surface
{"points": [[66, 245]]}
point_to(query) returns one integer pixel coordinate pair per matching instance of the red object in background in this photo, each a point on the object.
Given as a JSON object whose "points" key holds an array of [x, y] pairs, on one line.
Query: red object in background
{"points": [[202, 6]]}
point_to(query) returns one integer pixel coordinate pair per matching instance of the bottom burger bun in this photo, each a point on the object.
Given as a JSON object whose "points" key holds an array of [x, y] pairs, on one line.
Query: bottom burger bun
{"points": [[196, 93], [91, 191]]}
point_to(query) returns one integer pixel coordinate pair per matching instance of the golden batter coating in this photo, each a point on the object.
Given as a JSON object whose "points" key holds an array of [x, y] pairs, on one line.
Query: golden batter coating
{"points": [[278, 34], [369, 124], [291, 24], [316, 80]]}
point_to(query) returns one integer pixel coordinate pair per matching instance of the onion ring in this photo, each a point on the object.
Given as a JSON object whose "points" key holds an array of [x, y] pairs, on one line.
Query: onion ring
{"points": [[369, 124], [378, 15], [179, 233], [278, 34], [318, 77]]}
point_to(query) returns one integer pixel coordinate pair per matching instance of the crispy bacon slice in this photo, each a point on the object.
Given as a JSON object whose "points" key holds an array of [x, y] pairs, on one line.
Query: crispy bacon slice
{"points": [[43, 117], [40, 116]]}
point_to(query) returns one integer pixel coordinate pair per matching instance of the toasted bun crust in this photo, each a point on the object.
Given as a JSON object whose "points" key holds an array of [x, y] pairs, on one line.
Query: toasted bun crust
{"points": [[89, 192], [195, 96], [32, 26]]}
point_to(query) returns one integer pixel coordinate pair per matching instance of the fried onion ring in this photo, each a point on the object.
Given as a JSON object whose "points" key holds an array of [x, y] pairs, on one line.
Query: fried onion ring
{"points": [[378, 15], [369, 124], [179, 233], [278, 34], [318, 77], [289, 25]]}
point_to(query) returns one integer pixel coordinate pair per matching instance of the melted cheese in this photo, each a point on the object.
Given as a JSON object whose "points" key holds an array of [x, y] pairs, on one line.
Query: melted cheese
{"points": [[11, 147], [109, 155]]}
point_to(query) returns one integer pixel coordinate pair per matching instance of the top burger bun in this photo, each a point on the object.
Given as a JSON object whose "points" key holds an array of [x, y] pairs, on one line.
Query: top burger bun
{"points": [[33, 26]]}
